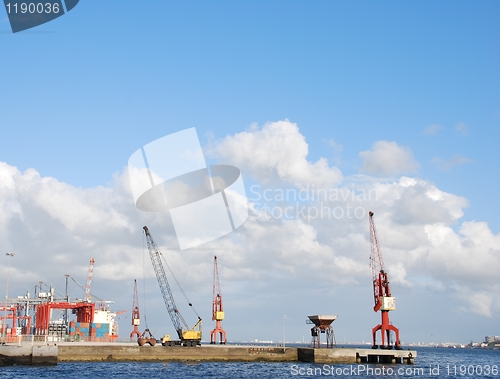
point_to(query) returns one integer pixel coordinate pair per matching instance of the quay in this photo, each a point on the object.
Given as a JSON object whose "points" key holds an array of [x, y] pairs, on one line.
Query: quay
{"points": [[36, 355], [115, 352]]}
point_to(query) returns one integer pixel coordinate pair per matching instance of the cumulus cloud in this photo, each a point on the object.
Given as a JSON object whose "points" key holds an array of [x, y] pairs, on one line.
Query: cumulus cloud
{"points": [[472, 255], [388, 158], [445, 165], [474, 301], [418, 201], [276, 152], [433, 129], [312, 244]]}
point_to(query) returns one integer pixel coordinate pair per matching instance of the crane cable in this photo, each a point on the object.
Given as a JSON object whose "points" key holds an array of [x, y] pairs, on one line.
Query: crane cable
{"points": [[83, 288], [179, 285]]}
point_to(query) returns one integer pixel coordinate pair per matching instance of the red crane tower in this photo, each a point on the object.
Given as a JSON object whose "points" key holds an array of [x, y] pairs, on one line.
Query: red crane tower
{"points": [[384, 302], [86, 296], [136, 316], [217, 310]]}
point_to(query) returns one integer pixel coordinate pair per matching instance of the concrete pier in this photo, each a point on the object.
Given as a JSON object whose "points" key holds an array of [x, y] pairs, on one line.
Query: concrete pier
{"points": [[105, 352]]}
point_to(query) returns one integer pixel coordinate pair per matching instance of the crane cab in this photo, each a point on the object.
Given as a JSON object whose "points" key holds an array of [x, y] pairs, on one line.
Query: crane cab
{"points": [[388, 303]]}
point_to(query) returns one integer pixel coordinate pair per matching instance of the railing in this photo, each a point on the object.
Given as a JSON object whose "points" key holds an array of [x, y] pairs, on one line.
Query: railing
{"points": [[27, 339], [33, 339]]}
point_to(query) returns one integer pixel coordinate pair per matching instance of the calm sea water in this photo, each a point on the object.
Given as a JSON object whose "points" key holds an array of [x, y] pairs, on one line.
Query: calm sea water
{"points": [[431, 363]]}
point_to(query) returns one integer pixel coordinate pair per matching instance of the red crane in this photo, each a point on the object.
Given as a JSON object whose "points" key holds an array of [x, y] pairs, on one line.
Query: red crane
{"points": [[136, 316], [384, 302], [217, 310], [86, 296]]}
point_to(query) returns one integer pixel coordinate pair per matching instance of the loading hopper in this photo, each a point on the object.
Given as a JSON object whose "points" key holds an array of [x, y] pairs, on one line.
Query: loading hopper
{"points": [[322, 321]]}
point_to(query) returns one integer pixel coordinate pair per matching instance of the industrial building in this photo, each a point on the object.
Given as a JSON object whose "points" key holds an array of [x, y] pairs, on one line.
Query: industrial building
{"points": [[43, 316]]}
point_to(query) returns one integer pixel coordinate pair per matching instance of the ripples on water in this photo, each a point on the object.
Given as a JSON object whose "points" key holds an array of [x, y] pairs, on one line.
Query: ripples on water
{"points": [[471, 359]]}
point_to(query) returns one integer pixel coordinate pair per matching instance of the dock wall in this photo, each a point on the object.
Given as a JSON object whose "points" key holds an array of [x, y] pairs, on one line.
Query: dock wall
{"points": [[28, 355], [327, 355], [175, 353]]}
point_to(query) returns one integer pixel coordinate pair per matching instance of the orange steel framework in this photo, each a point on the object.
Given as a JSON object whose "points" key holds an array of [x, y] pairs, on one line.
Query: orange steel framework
{"points": [[84, 313], [217, 310], [382, 294], [136, 316], [12, 314]]}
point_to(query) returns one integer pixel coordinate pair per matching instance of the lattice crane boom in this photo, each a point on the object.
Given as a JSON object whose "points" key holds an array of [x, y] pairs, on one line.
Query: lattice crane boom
{"points": [[86, 296], [377, 262], [168, 298], [136, 315]]}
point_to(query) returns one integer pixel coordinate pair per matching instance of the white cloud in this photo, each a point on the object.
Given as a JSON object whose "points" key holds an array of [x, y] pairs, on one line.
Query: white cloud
{"points": [[472, 255], [416, 201], [474, 301], [432, 130], [462, 129], [445, 165], [55, 228], [399, 274], [388, 158], [276, 152]]}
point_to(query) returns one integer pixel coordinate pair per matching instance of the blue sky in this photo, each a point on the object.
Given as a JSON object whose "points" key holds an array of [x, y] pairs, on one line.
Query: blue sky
{"points": [[80, 94]]}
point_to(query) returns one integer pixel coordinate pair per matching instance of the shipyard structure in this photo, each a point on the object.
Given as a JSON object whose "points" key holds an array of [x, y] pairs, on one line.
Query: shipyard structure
{"points": [[47, 316]]}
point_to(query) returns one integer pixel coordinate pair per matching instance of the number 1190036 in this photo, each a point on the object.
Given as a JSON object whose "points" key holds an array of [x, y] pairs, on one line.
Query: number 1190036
{"points": [[33, 8], [472, 370]]}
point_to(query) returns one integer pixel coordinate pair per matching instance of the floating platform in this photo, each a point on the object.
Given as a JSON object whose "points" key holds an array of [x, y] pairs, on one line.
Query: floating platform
{"points": [[102, 352]]}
